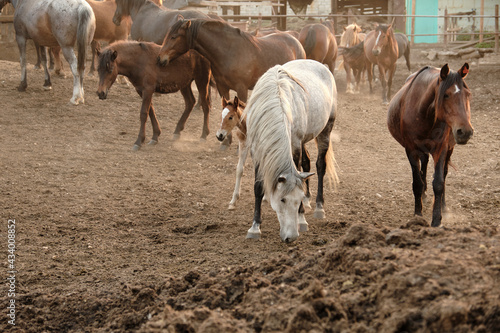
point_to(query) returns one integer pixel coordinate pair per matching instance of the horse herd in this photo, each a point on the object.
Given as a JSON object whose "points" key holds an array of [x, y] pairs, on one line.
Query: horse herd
{"points": [[293, 99]]}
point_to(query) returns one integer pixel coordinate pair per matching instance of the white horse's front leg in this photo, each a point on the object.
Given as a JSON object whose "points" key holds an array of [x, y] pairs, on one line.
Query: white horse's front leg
{"points": [[239, 173]]}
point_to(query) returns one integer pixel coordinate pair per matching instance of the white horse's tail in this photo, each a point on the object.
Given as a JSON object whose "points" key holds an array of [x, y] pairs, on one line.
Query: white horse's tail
{"points": [[331, 172], [84, 34]]}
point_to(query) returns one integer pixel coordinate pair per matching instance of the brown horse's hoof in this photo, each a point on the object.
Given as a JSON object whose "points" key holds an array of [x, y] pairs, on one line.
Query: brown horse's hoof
{"points": [[223, 147], [136, 148], [22, 87], [153, 142]]}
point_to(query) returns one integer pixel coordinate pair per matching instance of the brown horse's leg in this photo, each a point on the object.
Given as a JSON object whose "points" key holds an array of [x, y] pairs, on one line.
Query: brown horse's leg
{"points": [[448, 157], [438, 187], [95, 46], [369, 70], [202, 80], [155, 124], [414, 158], [306, 167], [348, 78], [384, 84], [145, 107], [424, 160], [189, 101], [392, 70], [47, 85]]}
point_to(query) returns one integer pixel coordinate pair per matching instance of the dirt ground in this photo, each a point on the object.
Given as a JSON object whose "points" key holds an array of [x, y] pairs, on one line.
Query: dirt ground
{"points": [[111, 240]]}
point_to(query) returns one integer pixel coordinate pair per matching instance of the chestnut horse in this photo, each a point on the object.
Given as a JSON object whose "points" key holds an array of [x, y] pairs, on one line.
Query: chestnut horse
{"points": [[429, 115], [105, 29], [237, 58], [355, 60], [54, 23], [151, 21], [381, 49], [137, 61], [319, 43]]}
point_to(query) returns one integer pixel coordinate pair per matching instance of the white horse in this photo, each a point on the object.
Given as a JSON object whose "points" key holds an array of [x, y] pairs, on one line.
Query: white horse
{"points": [[53, 23], [290, 105]]}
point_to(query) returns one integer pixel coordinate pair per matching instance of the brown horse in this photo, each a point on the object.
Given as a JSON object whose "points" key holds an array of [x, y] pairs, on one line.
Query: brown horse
{"points": [[151, 21], [237, 58], [355, 60], [319, 43], [259, 32], [381, 49], [403, 48], [105, 29], [429, 115], [137, 61], [232, 117]]}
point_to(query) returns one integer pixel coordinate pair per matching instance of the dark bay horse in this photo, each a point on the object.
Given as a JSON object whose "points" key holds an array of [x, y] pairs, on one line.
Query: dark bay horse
{"points": [[355, 60], [381, 49], [151, 21], [318, 40], [137, 61], [429, 115], [403, 48], [237, 58], [55, 23]]}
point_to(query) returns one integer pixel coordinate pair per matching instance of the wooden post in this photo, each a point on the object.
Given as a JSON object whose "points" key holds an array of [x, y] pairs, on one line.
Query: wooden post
{"points": [[481, 22], [445, 28], [413, 8], [496, 29]]}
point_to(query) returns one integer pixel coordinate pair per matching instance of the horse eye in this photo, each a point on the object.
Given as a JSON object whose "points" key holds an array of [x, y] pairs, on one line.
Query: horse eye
{"points": [[283, 200], [446, 96], [231, 118]]}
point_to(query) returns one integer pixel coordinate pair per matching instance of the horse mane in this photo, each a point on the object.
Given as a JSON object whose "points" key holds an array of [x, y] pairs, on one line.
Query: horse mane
{"points": [[105, 56], [136, 4], [196, 24], [269, 118]]}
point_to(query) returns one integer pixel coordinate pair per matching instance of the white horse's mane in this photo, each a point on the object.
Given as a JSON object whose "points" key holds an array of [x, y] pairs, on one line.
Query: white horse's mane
{"points": [[269, 121]]}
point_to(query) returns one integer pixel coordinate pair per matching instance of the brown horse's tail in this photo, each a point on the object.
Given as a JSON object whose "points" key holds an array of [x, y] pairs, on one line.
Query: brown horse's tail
{"points": [[310, 41], [84, 34]]}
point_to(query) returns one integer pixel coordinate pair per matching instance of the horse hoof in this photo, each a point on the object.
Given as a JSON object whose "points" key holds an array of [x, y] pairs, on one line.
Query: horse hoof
{"points": [[251, 235], [136, 147], [319, 214], [231, 207], [303, 227], [223, 147], [47, 88], [153, 142], [176, 137]]}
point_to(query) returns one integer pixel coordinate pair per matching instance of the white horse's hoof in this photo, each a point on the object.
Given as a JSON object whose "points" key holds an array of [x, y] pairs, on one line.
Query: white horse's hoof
{"points": [[303, 227], [231, 207], [251, 235], [152, 142], [306, 202], [319, 213]]}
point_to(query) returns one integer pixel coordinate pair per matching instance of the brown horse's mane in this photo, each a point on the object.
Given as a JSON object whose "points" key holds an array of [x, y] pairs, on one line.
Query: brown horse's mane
{"points": [[196, 24], [106, 54], [136, 4]]}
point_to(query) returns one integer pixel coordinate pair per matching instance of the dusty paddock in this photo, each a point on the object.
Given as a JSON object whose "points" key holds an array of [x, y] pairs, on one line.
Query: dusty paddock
{"points": [[113, 240]]}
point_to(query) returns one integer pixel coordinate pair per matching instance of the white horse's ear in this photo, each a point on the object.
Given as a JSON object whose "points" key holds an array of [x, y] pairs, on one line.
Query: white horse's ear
{"points": [[306, 175]]}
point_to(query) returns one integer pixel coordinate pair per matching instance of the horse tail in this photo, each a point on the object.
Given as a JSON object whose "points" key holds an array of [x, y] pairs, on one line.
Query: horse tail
{"points": [[84, 34], [310, 41], [331, 172]]}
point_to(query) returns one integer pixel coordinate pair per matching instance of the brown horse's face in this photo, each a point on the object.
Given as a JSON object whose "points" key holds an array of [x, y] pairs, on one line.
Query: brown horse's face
{"points": [[382, 38], [453, 100], [119, 12], [107, 71], [230, 118], [175, 43]]}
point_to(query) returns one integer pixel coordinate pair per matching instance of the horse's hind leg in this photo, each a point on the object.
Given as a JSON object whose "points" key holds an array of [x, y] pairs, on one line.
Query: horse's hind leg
{"points": [[324, 147], [47, 85], [202, 83], [70, 57], [95, 46], [21, 43], [155, 124], [189, 101], [414, 157]]}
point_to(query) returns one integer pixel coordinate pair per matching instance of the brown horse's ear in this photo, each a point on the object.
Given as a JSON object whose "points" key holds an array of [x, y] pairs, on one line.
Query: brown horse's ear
{"points": [[224, 102], [186, 24], [345, 28], [236, 102], [445, 70], [114, 55], [358, 28], [464, 70], [98, 52]]}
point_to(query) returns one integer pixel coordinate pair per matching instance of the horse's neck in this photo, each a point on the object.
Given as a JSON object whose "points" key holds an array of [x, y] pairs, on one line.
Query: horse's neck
{"points": [[242, 122]]}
